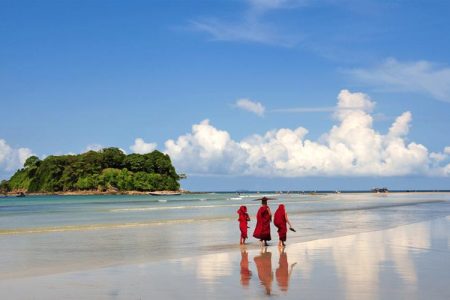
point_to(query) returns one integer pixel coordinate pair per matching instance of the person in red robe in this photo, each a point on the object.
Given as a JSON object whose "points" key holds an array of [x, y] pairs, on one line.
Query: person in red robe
{"points": [[243, 219], [280, 220], [263, 219]]}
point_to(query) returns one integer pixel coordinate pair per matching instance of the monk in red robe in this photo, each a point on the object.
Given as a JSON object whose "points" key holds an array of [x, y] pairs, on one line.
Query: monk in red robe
{"points": [[280, 220], [243, 219], [263, 219]]}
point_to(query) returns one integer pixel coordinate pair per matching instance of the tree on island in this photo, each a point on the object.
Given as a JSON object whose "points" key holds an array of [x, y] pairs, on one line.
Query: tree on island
{"points": [[4, 187], [106, 170]]}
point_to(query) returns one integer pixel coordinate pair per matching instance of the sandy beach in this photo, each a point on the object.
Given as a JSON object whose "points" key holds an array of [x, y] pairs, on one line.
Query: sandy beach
{"points": [[407, 262], [346, 247]]}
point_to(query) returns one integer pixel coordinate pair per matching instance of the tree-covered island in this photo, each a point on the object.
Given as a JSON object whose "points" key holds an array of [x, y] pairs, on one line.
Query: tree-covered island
{"points": [[107, 170]]}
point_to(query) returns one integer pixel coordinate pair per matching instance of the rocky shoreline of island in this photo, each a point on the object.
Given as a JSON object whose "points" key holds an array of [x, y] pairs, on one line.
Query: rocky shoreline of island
{"points": [[96, 192]]}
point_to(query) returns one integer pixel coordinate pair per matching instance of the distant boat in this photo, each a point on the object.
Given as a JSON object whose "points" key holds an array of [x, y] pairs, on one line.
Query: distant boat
{"points": [[165, 193], [380, 190]]}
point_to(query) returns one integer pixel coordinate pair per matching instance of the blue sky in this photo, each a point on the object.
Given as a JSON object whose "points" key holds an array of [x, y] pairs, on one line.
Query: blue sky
{"points": [[76, 75]]}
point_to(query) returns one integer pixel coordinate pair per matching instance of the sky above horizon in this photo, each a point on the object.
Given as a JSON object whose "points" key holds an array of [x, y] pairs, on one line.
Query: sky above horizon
{"points": [[242, 94]]}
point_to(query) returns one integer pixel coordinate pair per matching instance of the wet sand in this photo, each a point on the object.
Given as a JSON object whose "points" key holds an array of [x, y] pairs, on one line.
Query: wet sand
{"points": [[406, 262]]}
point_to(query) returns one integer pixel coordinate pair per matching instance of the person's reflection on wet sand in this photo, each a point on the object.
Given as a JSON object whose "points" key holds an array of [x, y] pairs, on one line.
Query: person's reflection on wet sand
{"points": [[263, 264], [283, 273], [246, 274]]}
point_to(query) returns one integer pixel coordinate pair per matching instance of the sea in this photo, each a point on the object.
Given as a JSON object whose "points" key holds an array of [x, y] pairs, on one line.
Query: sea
{"points": [[48, 235]]}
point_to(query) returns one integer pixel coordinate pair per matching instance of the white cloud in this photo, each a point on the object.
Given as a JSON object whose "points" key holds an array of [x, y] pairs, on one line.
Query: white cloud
{"points": [[420, 76], [12, 159], [446, 170], [206, 150], [438, 157], [94, 147], [352, 147], [251, 106], [401, 125], [447, 150], [251, 27], [352, 103], [251, 30], [275, 4], [141, 147], [304, 109]]}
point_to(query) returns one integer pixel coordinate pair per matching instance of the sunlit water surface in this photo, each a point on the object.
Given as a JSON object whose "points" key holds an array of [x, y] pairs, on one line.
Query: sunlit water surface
{"points": [[135, 246]]}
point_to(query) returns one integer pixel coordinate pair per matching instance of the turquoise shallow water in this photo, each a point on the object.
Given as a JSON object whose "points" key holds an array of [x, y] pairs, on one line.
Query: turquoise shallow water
{"points": [[57, 212], [51, 234]]}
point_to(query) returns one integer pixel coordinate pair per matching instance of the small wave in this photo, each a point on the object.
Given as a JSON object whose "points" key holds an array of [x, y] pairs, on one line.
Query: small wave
{"points": [[175, 207], [162, 200], [91, 227], [235, 198]]}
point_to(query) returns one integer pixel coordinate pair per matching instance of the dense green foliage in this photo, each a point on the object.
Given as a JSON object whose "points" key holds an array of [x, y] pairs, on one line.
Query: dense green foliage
{"points": [[108, 169]]}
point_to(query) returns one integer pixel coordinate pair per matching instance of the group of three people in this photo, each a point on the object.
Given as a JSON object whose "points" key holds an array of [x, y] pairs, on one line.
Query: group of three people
{"points": [[263, 220]]}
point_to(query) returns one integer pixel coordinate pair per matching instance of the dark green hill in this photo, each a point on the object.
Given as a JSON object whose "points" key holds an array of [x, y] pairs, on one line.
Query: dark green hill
{"points": [[107, 169]]}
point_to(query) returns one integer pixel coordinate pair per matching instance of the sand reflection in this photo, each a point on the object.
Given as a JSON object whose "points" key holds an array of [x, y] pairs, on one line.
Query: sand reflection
{"points": [[263, 264], [361, 260], [246, 274], [283, 272]]}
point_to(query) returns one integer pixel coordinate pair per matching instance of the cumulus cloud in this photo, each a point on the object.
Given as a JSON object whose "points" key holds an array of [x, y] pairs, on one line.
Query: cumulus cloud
{"points": [[141, 147], [447, 150], [438, 157], [352, 147], [251, 106], [11, 158], [420, 76], [207, 150]]}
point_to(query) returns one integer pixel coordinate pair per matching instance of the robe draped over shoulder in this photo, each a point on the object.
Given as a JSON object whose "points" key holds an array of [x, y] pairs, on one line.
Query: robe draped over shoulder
{"points": [[279, 220], [262, 228]]}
